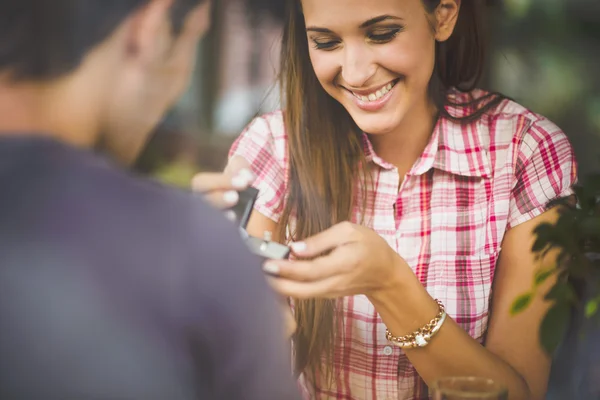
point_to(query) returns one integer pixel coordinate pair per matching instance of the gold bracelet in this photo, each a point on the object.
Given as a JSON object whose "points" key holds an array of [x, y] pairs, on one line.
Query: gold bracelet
{"points": [[421, 337]]}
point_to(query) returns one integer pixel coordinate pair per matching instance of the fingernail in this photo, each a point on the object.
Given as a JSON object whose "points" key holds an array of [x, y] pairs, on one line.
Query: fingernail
{"points": [[271, 268], [239, 182], [298, 247], [230, 215], [247, 174], [231, 197]]}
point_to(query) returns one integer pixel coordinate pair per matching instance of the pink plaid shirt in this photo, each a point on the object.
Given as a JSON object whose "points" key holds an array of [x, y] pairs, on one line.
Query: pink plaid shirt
{"points": [[469, 187]]}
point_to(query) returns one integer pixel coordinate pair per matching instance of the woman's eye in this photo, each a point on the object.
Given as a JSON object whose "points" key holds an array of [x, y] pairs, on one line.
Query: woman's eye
{"points": [[378, 36], [384, 37], [323, 45]]}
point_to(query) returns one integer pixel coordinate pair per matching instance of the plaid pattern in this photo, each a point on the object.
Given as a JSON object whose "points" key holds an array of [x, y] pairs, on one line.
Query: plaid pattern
{"points": [[472, 183]]}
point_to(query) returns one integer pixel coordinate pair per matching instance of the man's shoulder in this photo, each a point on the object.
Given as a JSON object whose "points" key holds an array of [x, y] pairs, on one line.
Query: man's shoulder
{"points": [[155, 270], [176, 217], [101, 201], [130, 230]]}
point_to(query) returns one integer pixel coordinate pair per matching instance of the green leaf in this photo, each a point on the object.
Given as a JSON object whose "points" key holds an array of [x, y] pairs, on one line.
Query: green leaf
{"points": [[562, 259], [591, 308], [521, 303], [543, 232], [561, 292], [554, 327], [542, 275]]}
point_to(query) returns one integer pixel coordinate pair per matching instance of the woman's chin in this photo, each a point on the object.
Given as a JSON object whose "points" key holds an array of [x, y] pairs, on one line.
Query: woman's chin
{"points": [[376, 123], [376, 127]]}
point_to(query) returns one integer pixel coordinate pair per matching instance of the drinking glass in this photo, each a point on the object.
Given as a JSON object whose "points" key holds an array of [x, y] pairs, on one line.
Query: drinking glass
{"points": [[468, 388]]}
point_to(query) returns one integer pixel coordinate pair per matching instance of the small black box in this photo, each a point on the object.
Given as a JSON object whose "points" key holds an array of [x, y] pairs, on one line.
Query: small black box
{"points": [[263, 247]]}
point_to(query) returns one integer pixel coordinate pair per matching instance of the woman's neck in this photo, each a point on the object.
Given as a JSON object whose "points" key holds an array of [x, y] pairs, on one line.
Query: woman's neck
{"points": [[403, 146]]}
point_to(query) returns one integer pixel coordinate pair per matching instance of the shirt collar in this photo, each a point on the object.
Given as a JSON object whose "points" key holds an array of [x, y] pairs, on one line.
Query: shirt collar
{"points": [[460, 149]]}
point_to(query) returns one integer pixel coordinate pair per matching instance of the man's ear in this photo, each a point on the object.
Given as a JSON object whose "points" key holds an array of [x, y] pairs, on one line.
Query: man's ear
{"points": [[446, 15], [149, 30], [200, 18], [196, 24]]}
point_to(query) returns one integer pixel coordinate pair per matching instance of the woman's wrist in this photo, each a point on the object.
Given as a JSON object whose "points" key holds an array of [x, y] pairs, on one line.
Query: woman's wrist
{"points": [[402, 302]]}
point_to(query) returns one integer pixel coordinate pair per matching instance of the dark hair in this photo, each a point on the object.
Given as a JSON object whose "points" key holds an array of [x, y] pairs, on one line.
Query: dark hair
{"points": [[42, 39], [326, 154]]}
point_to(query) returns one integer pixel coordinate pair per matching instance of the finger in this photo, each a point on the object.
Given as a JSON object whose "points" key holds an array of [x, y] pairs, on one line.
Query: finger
{"points": [[215, 181], [209, 181], [222, 199], [231, 215], [306, 290], [305, 271], [329, 239], [238, 165]]}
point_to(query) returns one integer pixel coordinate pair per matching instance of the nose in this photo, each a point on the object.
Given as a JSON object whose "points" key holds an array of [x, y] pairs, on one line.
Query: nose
{"points": [[358, 65]]}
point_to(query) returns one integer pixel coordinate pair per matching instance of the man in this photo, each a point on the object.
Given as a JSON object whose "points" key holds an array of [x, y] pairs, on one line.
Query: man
{"points": [[113, 287]]}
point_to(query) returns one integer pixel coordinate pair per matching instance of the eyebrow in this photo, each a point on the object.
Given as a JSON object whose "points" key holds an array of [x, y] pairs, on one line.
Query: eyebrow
{"points": [[376, 20], [365, 24]]}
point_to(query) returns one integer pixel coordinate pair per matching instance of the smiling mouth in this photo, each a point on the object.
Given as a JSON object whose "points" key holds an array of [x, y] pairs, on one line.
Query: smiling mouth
{"points": [[376, 95]]}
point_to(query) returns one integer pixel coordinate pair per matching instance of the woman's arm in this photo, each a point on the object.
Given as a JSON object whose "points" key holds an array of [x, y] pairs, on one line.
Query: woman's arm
{"points": [[512, 355], [259, 224]]}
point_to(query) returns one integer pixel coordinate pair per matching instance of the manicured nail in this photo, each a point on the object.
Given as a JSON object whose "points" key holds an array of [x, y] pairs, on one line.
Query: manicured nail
{"points": [[298, 247], [271, 268], [247, 174], [239, 182], [230, 215], [231, 197]]}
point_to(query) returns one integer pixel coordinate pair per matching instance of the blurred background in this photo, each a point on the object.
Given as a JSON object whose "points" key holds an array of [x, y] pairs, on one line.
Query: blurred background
{"points": [[545, 54]]}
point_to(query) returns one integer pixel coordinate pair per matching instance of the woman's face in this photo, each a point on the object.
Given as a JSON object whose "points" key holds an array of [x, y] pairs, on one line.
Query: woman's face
{"points": [[375, 57]]}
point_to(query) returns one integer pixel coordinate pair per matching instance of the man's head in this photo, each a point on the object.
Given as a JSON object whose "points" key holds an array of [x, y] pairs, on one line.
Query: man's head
{"points": [[104, 69]]}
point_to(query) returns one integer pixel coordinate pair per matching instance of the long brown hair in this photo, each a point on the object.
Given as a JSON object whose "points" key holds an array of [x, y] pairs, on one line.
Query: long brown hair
{"points": [[325, 151]]}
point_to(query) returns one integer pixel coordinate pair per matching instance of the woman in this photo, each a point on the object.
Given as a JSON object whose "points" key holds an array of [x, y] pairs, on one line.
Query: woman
{"points": [[404, 193]]}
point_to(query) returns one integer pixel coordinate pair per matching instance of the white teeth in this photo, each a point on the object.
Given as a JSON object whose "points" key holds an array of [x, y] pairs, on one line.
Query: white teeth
{"points": [[377, 95]]}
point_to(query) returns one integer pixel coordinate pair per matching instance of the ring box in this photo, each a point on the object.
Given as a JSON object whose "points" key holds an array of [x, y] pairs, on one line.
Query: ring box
{"points": [[263, 247]]}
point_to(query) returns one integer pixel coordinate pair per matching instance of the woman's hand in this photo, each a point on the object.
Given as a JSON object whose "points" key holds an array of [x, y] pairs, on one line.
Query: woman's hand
{"points": [[359, 262], [221, 188]]}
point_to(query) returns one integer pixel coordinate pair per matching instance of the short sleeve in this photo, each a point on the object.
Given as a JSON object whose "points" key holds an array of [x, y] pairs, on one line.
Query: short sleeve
{"points": [[545, 170], [263, 144]]}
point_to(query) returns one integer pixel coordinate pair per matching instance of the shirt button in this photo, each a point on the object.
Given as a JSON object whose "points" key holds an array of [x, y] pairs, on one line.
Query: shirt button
{"points": [[388, 351]]}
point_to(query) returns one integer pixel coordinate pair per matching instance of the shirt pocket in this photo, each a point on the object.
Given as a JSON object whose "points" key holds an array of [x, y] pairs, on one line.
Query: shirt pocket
{"points": [[465, 287]]}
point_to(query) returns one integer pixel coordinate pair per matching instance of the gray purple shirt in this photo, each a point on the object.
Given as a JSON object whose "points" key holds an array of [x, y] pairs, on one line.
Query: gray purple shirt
{"points": [[116, 287]]}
